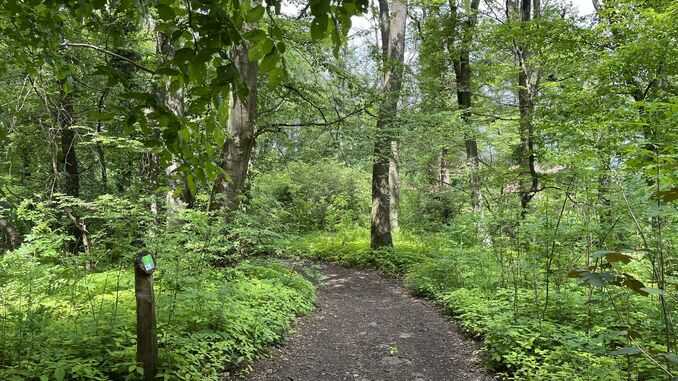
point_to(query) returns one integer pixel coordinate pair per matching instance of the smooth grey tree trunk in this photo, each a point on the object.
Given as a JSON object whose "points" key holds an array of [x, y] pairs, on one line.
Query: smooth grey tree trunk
{"points": [[394, 184], [392, 26], [239, 143]]}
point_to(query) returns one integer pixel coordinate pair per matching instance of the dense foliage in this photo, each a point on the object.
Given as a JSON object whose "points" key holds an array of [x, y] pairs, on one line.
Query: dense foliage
{"points": [[522, 157], [61, 321]]}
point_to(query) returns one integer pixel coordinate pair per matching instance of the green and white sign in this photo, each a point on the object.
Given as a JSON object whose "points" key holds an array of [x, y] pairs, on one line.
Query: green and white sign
{"points": [[147, 264]]}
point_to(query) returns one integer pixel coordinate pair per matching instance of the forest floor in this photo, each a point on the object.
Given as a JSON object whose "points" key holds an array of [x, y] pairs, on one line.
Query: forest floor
{"points": [[368, 328]]}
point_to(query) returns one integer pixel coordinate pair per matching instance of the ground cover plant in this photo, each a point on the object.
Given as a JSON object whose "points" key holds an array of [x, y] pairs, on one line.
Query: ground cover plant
{"points": [[512, 160]]}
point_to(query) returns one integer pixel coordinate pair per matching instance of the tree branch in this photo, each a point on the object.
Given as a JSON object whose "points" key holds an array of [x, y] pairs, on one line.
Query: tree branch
{"points": [[67, 44], [278, 126], [302, 96]]}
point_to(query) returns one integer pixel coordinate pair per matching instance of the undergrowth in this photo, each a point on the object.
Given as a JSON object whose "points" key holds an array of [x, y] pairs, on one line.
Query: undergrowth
{"points": [[351, 247], [577, 337], [57, 323]]}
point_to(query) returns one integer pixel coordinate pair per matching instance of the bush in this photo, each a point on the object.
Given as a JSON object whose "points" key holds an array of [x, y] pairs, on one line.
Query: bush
{"points": [[62, 323], [307, 197], [351, 247], [576, 339], [451, 267], [527, 348]]}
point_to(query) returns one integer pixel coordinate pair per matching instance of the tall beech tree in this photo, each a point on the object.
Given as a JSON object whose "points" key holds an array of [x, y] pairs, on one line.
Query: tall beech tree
{"points": [[392, 25], [239, 143]]}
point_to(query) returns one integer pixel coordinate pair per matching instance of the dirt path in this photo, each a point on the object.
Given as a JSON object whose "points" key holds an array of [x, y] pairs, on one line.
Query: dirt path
{"points": [[367, 328]]}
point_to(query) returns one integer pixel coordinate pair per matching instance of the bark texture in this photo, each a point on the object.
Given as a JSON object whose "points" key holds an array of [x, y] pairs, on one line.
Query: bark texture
{"points": [[99, 148], [462, 65], [147, 344], [68, 158], [527, 84], [444, 169], [178, 196], [239, 143], [68, 165], [394, 183], [392, 20], [13, 236]]}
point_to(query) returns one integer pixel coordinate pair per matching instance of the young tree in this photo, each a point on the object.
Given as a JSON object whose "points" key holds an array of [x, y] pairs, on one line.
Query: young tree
{"points": [[68, 158], [528, 81]]}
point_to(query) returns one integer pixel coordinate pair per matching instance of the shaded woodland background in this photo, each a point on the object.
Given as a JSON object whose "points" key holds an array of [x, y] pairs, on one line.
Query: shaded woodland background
{"points": [[514, 161]]}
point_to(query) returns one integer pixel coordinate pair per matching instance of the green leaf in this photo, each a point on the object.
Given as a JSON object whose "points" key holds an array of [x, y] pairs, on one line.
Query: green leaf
{"points": [[260, 49], [255, 35], [165, 12], [269, 62], [226, 74], [196, 71], [59, 374], [652, 291], [670, 357], [634, 284], [255, 14], [166, 70], [276, 76], [319, 27], [67, 86], [593, 278], [612, 256], [190, 182], [102, 116], [618, 257], [182, 55], [667, 195]]}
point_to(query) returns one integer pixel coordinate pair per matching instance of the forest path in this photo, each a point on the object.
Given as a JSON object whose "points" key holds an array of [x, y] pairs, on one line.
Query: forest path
{"points": [[368, 328]]}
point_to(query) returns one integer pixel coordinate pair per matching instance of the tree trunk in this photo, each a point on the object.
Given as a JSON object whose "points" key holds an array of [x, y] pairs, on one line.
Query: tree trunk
{"points": [[464, 96], [605, 217], [392, 26], [529, 180], [13, 236], [99, 148], [174, 101], [240, 140], [68, 159], [394, 184], [444, 175], [150, 170]]}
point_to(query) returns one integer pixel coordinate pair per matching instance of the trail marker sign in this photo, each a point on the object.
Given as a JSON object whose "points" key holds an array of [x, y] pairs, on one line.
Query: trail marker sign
{"points": [[147, 342]]}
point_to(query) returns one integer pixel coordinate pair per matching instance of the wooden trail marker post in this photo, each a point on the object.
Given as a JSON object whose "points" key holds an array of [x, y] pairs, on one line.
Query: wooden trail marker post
{"points": [[147, 343]]}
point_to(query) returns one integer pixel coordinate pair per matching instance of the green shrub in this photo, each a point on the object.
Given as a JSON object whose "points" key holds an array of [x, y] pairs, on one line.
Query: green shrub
{"points": [[351, 246], [521, 346], [574, 339], [326, 195], [83, 328]]}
